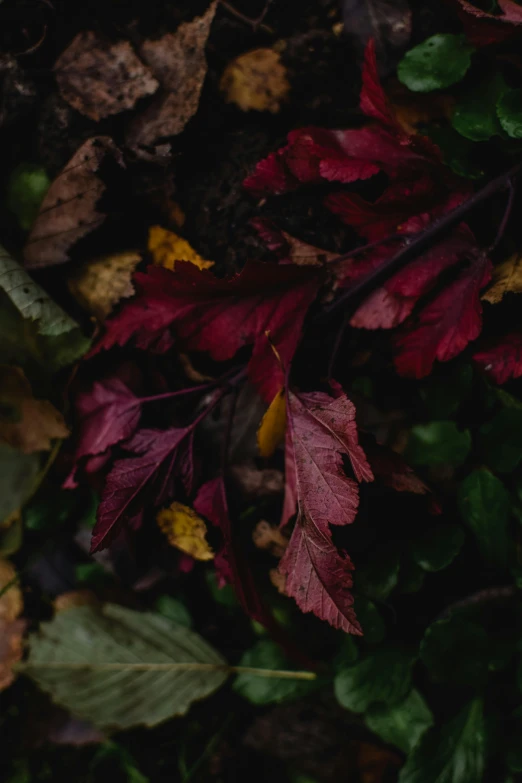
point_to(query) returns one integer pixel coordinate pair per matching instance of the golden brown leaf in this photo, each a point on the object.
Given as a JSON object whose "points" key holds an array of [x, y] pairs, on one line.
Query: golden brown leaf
{"points": [[273, 426], [99, 285], [11, 628], [73, 599], [26, 423], [413, 110], [507, 279], [68, 211], [256, 80], [267, 536], [99, 78], [178, 62], [185, 530], [166, 248]]}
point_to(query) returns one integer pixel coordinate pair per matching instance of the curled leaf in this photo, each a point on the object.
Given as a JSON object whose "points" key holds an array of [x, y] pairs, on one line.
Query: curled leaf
{"points": [[256, 80], [166, 248], [185, 530], [507, 279], [100, 284]]}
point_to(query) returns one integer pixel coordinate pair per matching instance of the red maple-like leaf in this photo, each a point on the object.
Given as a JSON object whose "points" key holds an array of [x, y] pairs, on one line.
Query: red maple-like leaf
{"points": [[318, 576], [445, 326], [483, 28], [502, 359], [221, 316]]}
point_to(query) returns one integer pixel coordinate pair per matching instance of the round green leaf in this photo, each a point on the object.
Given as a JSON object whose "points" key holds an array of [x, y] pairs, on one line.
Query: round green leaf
{"points": [[509, 112], [401, 724], [455, 649], [439, 62], [26, 188], [383, 676], [438, 547], [485, 505], [266, 654], [370, 619], [475, 115], [438, 443], [501, 440]]}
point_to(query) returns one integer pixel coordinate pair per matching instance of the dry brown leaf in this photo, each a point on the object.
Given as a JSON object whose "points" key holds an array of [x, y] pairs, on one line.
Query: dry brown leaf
{"points": [[99, 78], [256, 80], [412, 110], [178, 62], [11, 628], [73, 599], [191, 372], [99, 285], [507, 279], [278, 580], [267, 536], [272, 429], [68, 211], [255, 483], [166, 248], [26, 423], [185, 530]]}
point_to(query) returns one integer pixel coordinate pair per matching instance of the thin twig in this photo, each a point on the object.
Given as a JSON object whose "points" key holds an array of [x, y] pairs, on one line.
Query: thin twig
{"points": [[281, 674], [254, 23]]}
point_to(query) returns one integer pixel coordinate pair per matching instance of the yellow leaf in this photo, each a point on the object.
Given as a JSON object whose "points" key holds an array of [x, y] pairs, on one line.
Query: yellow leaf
{"points": [[507, 279], [166, 248], [273, 425], [100, 284], [185, 530], [256, 80], [25, 423]]}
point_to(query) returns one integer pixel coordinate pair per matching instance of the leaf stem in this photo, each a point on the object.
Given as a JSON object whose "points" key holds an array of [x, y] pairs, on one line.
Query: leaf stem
{"points": [[282, 674]]}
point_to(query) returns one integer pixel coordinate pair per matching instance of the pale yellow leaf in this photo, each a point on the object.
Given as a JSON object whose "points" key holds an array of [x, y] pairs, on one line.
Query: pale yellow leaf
{"points": [[185, 530], [166, 248], [256, 80], [507, 279], [100, 284], [273, 425]]}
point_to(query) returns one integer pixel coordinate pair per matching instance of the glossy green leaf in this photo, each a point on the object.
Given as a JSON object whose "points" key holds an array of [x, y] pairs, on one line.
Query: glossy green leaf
{"points": [[438, 62], [26, 187], [438, 443], [475, 115], [509, 111], [485, 505], [126, 696], [438, 547], [453, 752], [377, 578], [266, 654], [382, 676], [401, 724], [456, 649], [501, 440], [370, 619], [457, 152]]}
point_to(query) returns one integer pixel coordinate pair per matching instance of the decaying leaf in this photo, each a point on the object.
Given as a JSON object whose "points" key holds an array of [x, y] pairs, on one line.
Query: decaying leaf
{"points": [[32, 327], [256, 80], [99, 78], [272, 429], [99, 285], [73, 599], [267, 536], [507, 279], [255, 483], [11, 628], [161, 668], [68, 211], [26, 423], [388, 22], [178, 62], [185, 530], [166, 248]]}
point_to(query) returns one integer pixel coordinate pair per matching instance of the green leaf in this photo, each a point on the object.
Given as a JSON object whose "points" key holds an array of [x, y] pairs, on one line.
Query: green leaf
{"points": [[501, 440], [377, 578], [266, 654], [411, 577], [32, 327], [50, 511], [370, 619], [485, 504], [383, 676], [26, 188], [509, 112], [457, 152], [128, 696], [438, 547], [439, 62], [224, 596], [451, 753], [438, 443], [442, 394], [174, 609], [475, 115], [401, 724], [18, 473], [455, 649]]}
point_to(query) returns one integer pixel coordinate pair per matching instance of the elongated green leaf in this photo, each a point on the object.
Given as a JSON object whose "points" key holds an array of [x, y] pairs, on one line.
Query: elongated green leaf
{"points": [[437, 443], [453, 753], [401, 724], [485, 505], [32, 327], [143, 691]]}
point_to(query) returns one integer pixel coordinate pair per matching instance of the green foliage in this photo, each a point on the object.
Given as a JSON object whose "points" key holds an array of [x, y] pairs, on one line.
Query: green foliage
{"points": [[442, 394], [438, 443], [17, 476], [453, 752], [456, 649], [438, 547], [509, 110], [438, 62], [475, 115], [266, 654], [370, 619], [485, 506], [401, 724], [377, 578], [225, 596], [174, 610], [26, 188], [500, 440], [114, 635], [382, 676]]}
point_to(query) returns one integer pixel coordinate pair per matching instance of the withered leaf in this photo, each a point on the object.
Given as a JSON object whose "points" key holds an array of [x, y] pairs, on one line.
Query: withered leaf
{"points": [[98, 78], [185, 530], [68, 211], [256, 80], [26, 423], [178, 62], [272, 429], [11, 628], [166, 248], [100, 284], [507, 279]]}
